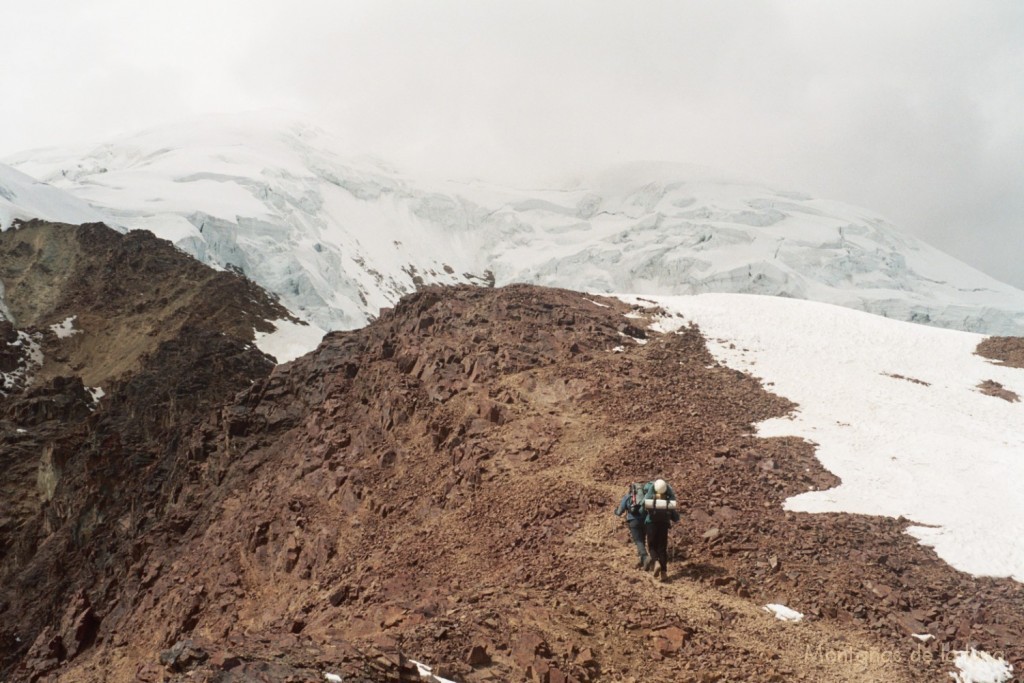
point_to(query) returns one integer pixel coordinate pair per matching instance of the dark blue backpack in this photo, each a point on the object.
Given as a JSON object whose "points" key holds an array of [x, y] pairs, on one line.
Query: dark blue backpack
{"points": [[635, 501]]}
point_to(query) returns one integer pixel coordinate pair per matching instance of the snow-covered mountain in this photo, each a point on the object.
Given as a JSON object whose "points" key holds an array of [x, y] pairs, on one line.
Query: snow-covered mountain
{"points": [[339, 237], [23, 197]]}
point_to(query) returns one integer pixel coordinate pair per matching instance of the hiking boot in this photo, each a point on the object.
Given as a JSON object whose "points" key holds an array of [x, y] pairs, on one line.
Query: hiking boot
{"points": [[656, 570], [648, 563], [664, 575], [641, 563]]}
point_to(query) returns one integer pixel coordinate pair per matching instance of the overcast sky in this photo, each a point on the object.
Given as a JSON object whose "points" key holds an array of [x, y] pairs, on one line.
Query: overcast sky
{"points": [[913, 109]]}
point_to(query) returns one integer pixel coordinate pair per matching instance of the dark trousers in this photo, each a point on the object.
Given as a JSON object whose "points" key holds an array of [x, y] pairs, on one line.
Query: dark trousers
{"points": [[639, 534], [657, 541]]}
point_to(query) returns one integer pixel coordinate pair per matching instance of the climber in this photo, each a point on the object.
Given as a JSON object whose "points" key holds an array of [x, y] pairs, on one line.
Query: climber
{"points": [[660, 512], [632, 504]]}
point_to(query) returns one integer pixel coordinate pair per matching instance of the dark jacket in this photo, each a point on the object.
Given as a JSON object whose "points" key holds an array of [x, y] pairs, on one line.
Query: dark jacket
{"points": [[673, 515], [624, 507]]}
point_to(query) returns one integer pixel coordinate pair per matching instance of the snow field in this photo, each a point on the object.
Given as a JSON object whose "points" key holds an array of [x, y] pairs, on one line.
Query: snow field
{"points": [[895, 412], [23, 198]]}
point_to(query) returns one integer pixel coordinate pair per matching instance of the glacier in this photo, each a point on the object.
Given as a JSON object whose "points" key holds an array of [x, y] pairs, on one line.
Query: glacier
{"points": [[338, 237], [24, 198]]}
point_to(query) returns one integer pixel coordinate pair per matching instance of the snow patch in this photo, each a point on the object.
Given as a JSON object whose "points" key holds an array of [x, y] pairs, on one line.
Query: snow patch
{"points": [[33, 351], [30, 359], [783, 613], [923, 637], [65, 328], [289, 340], [5, 313], [980, 667], [427, 673]]}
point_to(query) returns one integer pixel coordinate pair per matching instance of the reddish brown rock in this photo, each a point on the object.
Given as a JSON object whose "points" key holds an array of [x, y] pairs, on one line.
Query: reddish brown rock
{"points": [[478, 656], [668, 641], [440, 480]]}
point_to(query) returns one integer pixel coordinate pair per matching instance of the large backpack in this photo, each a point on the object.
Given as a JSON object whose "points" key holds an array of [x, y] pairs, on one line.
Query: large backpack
{"points": [[669, 512], [635, 502]]}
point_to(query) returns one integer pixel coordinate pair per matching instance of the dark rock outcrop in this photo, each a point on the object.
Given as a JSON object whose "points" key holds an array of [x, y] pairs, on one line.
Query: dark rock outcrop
{"points": [[165, 339]]}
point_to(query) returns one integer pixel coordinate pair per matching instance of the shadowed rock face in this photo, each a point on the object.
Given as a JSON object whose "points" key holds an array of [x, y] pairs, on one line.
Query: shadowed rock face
{"points": [[438, 485], [165, 338]]}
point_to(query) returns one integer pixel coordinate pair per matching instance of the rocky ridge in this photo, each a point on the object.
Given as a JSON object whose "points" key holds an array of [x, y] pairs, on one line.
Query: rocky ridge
{"points": [[438, 485]]}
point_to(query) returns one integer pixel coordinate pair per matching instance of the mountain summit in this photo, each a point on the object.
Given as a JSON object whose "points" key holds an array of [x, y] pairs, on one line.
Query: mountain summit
{"points": [[339, 238]]}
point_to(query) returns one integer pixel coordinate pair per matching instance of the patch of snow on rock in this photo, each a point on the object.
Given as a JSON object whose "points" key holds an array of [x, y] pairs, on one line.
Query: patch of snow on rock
{"points": [[783, 613], [65, 328], [289, 340], [30, 359], [980, 667], [427, 673]]}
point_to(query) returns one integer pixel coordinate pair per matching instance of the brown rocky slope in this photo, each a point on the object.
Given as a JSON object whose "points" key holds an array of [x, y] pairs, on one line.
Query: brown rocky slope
{"points": [[439, 486], [165, 339]]}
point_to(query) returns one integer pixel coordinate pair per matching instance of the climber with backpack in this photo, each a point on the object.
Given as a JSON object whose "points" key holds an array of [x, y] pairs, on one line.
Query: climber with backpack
{"points": [[660, 511], [632, 504]]}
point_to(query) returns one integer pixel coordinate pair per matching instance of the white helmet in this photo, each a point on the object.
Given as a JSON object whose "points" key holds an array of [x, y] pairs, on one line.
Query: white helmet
{"points": [[660, 486]]}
